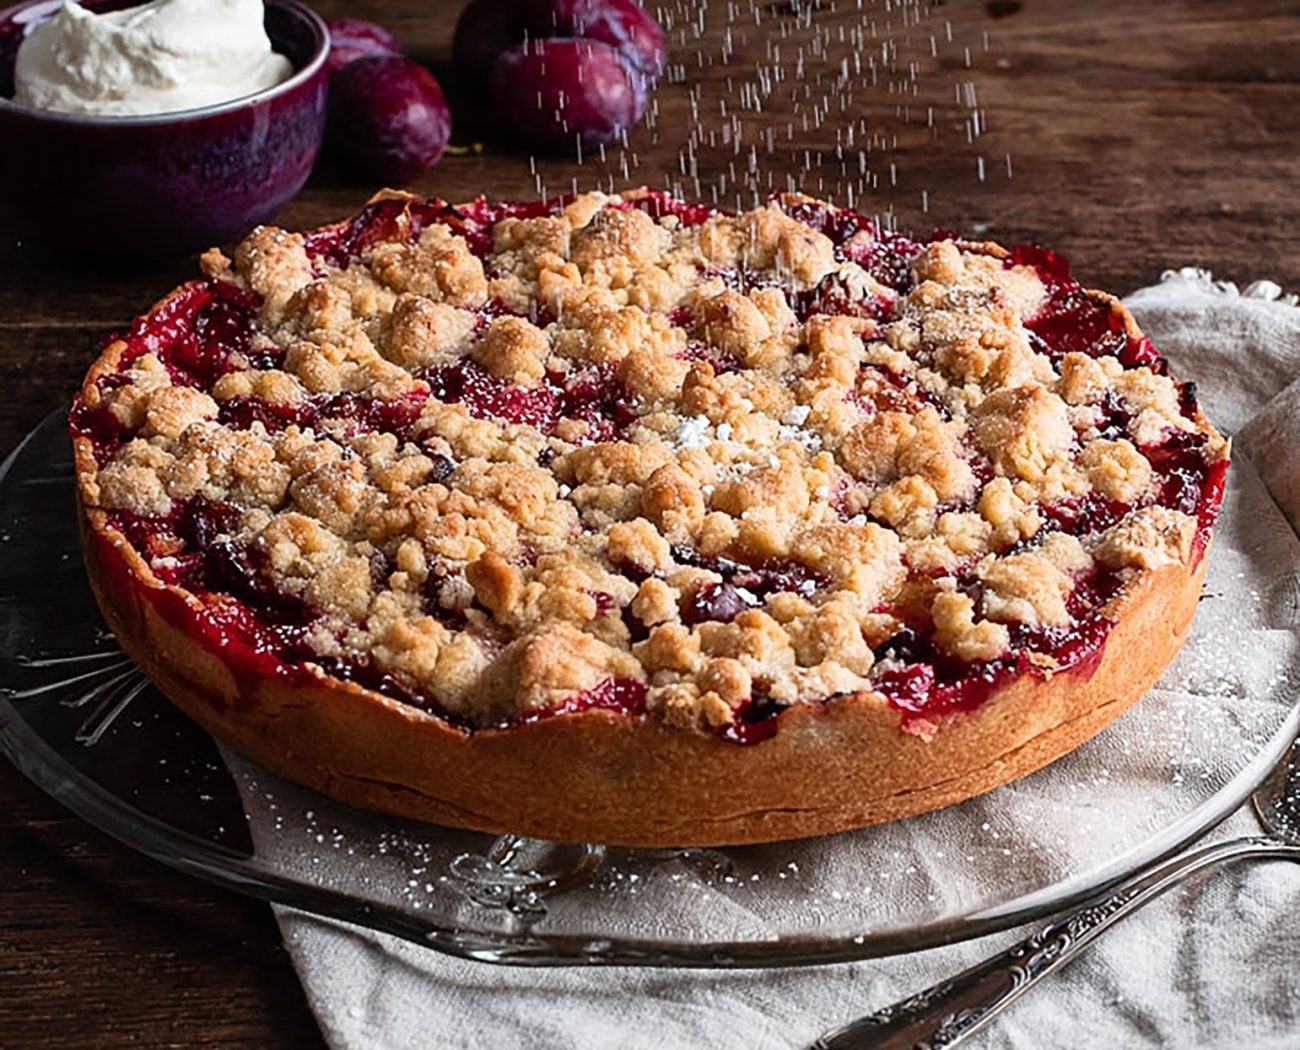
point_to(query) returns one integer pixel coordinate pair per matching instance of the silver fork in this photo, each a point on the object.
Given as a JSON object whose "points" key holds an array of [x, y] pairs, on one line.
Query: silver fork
{"points": [[946, 1013]]}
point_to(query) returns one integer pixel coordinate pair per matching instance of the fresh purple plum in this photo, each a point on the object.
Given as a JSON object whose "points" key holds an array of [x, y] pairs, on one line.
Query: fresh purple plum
{"points": [[487, 28], [623, 25], [353, 38], [553, 92], [388, 118]]}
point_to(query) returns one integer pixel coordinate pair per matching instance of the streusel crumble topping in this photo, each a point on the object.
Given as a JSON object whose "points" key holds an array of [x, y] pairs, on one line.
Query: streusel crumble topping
{"points": [[508, 461]]}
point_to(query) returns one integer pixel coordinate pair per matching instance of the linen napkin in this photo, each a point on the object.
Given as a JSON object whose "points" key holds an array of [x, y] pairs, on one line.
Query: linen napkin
{"points": [[1213, 964]]}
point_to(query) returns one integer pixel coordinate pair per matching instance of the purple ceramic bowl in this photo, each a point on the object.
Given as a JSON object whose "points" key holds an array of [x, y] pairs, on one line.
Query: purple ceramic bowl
{"points": [[153, 186]]}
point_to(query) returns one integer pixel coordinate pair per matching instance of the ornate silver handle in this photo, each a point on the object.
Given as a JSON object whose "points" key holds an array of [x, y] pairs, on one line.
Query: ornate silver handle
{"points": [[946, 1013]]}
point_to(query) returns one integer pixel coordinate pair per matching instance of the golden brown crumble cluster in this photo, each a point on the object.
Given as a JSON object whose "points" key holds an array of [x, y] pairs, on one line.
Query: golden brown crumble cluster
{"points": [[861, 464]]}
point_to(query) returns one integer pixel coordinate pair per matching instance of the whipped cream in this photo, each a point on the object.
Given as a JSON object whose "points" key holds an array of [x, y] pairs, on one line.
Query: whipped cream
{"points": [[161, 57]]}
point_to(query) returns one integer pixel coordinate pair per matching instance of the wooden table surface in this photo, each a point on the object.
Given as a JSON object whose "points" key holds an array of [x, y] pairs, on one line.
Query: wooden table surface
{"points": [[1136, 142]]}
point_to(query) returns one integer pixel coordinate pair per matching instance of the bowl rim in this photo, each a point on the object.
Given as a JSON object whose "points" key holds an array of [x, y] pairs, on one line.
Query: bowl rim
{"points": [[173, 116]]}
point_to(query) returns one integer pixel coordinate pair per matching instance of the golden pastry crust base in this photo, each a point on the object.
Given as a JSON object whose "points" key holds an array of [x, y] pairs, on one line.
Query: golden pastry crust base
{"points": [[600, 776]]}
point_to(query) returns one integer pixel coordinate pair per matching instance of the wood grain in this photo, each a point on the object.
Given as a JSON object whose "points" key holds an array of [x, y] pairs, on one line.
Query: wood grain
{"points": [[1139, 140]]}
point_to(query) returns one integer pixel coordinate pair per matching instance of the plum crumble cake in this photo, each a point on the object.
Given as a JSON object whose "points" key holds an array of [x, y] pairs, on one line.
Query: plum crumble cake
{"points": [[623, 519]]}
